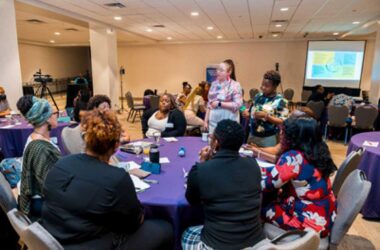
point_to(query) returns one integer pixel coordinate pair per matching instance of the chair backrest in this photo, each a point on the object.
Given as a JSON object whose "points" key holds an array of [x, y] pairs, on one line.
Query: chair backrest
{"points": [[253, 92], [305, 95], [337, 115], [365, 116], [18, 220], [36, 237], [317, 108], [348, 165], [72, 140], [352, 196], [154, 101], [129, 98], [288, 94], [7, 200], [307, 240]]}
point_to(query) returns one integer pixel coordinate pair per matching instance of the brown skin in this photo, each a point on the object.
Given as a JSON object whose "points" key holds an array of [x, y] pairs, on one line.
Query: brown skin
{"points": [[5, 112], [208, 152], [164, 107], [268, 89]]}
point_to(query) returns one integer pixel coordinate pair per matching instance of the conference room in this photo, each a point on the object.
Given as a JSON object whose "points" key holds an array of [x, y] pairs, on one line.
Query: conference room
{"points": [[189, 124]]}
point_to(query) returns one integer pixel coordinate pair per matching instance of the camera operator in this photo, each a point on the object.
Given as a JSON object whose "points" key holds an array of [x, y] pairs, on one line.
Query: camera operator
{"points": [[4, 106]]}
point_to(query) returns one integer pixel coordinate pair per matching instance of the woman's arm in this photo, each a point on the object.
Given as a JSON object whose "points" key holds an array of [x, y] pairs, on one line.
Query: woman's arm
{"points": [[144, 120], [270, 154], [179, 124]]}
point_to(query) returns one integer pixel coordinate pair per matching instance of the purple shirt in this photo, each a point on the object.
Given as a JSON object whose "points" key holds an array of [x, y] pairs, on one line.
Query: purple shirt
{"points": [[227, 91]]}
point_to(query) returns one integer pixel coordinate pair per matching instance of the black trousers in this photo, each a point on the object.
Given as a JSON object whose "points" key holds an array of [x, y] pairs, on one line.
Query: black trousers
{"points": [[152, 234]]}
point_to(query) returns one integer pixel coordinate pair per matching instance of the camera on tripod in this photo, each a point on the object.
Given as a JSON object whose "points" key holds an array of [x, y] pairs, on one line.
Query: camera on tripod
{"points": [[43, 79]]}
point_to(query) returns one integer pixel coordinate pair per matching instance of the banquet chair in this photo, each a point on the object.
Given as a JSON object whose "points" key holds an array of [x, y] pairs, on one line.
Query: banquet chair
{"points": [[365, 117], [252, 93], [305, 95], [133, 109], [352, 196], [298, 240], [70, 140], [317, 108], [348, 165], [288, 94], [337, 116], [7, 200], [154, 101], [36, 237], [18, 220]]}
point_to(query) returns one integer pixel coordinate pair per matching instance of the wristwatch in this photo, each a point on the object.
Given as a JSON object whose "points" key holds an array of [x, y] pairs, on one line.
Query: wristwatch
{"points": [[220, 104]]}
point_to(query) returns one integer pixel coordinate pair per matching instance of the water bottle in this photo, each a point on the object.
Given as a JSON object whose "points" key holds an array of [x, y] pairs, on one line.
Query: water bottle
{"points": [[154, 154], [182, 152]]}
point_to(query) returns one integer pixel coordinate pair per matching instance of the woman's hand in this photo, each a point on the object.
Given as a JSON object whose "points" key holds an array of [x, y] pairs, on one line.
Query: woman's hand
{"points": [[214, 104], [205, 154], [260, 115], [205, 125]]}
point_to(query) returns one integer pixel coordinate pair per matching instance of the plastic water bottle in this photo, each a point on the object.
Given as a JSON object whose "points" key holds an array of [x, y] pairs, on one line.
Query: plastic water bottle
{"points": [[182, 152]]}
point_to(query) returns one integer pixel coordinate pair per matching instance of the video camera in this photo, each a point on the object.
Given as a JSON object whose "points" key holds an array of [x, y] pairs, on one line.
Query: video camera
{"points": [[43, 79]]}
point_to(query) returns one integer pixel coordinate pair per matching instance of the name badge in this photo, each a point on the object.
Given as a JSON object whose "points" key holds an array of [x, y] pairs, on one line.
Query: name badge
{"points": [[169, 125]]}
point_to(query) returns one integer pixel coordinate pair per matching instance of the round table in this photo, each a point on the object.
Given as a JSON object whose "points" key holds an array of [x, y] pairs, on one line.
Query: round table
{"points": [[166, 200], [14, 137], [370, 164]]}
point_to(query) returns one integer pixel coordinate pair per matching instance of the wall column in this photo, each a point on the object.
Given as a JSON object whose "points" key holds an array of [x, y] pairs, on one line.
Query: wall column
{"points": [[375, 75]]}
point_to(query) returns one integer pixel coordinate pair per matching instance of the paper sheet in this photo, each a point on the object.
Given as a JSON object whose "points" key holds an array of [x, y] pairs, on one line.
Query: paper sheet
{"points": [[162, 159], [139, 184], [170, 139], [264, 164], [129, 165], [8, 126], [373, 144], [246, 152]]}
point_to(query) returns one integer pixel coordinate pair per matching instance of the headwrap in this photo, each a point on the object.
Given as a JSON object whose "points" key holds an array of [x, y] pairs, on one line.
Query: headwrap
{"points": [[40, 112]]}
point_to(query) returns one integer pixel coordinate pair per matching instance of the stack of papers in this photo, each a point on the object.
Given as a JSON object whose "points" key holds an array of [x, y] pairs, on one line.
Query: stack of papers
{"points": [[246, 152], [264, 164], [129, 165], [139, 184], [170, 139], [374, 144]]}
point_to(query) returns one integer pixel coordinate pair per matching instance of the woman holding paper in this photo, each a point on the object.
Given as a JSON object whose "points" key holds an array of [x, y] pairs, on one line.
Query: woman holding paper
{"points": [[224, 98], [90, 204]]}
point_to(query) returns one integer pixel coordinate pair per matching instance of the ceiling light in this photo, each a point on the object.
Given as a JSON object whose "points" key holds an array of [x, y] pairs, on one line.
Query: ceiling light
{"points": [[219, 37], [149, 30], [284, 9], [57, 33], [210, 28], [278, 25], [117, 18], [52, 41], [194, 13], [356, 22], [169, 38], [275, 35], [336, 33]]}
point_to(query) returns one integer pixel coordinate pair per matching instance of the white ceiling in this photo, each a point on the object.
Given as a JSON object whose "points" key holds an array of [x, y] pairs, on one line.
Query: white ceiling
{"points": [[231, 19]]}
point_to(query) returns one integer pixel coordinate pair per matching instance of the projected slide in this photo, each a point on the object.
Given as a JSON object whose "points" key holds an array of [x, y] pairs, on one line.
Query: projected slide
{"points": [[334, 63]]}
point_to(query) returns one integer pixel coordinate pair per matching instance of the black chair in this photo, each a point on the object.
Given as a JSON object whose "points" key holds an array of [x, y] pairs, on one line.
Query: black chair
{"points": [[133, 109]]}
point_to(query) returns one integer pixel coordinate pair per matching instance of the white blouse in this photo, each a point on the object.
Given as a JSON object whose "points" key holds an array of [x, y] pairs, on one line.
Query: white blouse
{"points": [[155, 125]]}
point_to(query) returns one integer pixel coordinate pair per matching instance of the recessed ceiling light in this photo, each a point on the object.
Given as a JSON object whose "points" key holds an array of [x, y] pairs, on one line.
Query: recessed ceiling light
{"points": [[149, 30], [117, 18], [284, 9], [278, 25], [356, 22], [210, 28], [194, 13], [169, 38], [336, 33], [219, 37], [275, 35], [57, 33], [52, 41]]}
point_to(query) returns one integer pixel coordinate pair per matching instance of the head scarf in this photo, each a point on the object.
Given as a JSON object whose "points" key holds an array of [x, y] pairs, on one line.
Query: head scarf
{"points": [[40, 112]]}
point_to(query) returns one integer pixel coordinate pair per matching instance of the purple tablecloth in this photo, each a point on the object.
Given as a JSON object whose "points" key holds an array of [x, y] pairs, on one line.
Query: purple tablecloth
{"points": [[166, 200], [12, 140], [370, 164]]}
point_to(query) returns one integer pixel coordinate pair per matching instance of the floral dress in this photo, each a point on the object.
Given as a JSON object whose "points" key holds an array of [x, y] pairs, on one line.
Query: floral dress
{"points": [[304, 199]]}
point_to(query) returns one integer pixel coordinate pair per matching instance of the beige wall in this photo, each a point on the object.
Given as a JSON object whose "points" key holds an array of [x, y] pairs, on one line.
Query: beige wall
{"points": [[164, 67], [56, 61]]}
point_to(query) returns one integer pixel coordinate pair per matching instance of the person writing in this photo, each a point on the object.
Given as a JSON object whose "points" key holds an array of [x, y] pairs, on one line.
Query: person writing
{"points": [[224, 98]]}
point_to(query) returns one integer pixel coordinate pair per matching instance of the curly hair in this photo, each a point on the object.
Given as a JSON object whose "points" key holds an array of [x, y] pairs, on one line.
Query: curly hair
{"points": [[96, 100], [303, 134], [229, 134], [273, 76], [102, 130]]}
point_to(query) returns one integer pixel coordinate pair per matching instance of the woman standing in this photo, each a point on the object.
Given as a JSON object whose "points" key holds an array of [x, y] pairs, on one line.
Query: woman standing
{"points": [[224, 98], [194, 103], [40, 153]]}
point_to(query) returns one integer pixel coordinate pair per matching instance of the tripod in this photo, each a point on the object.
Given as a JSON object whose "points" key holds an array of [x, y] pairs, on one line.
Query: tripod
{"points": [[45, 90]]}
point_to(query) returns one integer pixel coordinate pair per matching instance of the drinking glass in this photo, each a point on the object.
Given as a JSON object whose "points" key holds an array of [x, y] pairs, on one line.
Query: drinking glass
{"points": [[157, 137]]}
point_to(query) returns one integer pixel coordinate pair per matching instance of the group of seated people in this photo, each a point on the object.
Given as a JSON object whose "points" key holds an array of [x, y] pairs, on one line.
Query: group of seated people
{"points": [[84, 202]]}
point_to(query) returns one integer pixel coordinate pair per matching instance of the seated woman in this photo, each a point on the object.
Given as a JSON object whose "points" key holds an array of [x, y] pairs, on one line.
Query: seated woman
{"points": [[4, 105], [167, 120], [303, 197], [181, 97], [92, 205], [40, 153], [193, 104]]}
